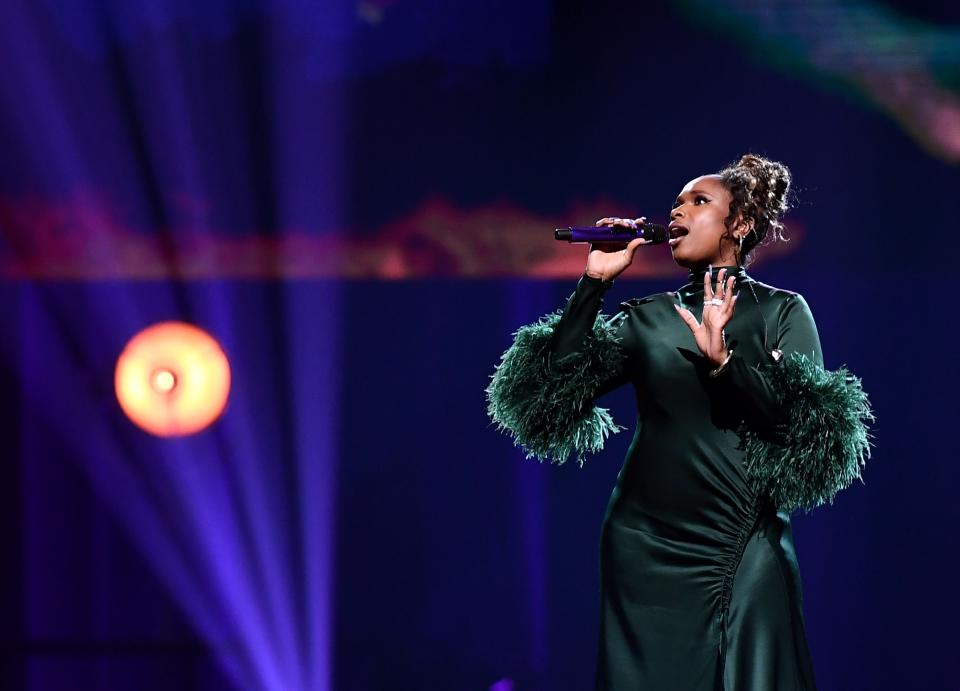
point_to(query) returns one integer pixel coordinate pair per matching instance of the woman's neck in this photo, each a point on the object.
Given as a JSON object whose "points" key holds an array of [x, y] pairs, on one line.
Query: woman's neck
{"points": [[698, 267]]}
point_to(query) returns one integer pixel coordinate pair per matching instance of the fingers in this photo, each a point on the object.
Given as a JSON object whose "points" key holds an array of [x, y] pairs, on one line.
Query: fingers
{"points": [[724, 289], [608, 247], [633, 245], [729, 299], [623, 222], [687, 318], [724, 294], [721, 292], [631, 248]]}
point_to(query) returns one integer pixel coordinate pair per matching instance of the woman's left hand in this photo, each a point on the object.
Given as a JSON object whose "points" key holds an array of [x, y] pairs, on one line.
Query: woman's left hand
{"points": [[709, 334]]}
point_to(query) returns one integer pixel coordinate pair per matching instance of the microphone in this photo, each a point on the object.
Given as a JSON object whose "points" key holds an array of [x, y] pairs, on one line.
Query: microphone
{"points": [[655, 233]]}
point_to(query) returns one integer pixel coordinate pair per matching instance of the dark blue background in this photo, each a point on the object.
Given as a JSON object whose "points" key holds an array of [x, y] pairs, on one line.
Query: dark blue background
{"points": [[451, 561]]}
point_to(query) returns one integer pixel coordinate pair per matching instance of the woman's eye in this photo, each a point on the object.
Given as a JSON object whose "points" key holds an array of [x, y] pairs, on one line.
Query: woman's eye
{"points": [[700, 199]]}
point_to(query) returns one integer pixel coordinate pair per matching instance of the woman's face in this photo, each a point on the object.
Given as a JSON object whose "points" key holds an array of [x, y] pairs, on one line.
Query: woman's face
{"points": [[700, 210]]}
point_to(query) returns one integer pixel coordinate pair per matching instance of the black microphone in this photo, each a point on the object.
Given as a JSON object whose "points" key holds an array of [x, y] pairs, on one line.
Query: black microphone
{"points": [[656, 234]]}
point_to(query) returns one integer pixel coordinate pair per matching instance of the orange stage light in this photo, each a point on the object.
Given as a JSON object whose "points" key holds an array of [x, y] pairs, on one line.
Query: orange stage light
{"points": [[172, 379]]}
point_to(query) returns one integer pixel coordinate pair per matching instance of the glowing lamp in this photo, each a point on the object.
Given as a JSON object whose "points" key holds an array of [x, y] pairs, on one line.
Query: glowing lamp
{"points": [[172, 379]]}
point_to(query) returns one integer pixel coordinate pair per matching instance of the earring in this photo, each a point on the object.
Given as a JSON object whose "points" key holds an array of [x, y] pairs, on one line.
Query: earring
{"points": [[741, 244]]}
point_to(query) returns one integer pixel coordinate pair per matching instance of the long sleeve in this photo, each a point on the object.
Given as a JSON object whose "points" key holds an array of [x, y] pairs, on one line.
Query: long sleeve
{"points": [[761, 403], [579, 320], [578, 316], [804, 431], [543, 389]]}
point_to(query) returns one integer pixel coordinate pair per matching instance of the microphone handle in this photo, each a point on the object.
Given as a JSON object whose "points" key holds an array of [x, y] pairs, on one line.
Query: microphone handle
{"points": [[653, 232]]}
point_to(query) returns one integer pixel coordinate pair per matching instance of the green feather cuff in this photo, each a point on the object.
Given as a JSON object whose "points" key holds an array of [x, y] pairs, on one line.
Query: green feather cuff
{"points": [[824, 443], [545, 402]]}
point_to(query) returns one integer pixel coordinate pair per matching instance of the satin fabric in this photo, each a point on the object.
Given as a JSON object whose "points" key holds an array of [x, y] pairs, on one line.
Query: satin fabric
{"points": [[700, 586]]}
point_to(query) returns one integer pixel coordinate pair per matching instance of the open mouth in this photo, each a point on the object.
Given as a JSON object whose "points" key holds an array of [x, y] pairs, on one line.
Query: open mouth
{"points": [[677, 233]]}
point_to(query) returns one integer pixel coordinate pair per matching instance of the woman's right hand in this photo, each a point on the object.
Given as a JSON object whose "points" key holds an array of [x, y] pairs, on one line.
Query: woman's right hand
{"points": [[607, 260]]}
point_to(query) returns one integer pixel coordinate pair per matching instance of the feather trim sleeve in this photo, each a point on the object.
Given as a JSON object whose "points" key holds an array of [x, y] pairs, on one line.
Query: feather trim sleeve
{"points": [[823, 444], [545, 402], [543, 389]]}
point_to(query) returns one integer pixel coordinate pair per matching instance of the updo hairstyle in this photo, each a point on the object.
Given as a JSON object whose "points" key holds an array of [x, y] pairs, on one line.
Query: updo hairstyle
{"points": [[760, 190]]}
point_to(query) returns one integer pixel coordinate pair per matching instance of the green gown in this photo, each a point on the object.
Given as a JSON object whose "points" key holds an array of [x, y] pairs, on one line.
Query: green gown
{"points": [[700, 586]]}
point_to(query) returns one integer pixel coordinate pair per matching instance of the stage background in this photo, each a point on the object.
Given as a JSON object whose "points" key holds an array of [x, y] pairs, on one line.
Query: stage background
{"points": [[356, 199]]}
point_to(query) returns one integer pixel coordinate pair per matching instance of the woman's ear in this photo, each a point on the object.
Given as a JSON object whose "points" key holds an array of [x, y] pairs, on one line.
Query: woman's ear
{"points": [[743, 227]]}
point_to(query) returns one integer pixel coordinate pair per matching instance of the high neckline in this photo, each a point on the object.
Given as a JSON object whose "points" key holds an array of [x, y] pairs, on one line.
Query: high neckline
{"points": [[695, 277]]}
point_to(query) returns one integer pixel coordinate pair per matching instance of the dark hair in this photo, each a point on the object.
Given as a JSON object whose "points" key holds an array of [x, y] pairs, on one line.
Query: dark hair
{"points": [[760, 190]]}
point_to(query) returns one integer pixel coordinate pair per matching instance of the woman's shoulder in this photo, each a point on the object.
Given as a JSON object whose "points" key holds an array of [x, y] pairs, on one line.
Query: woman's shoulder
{"points": [[769, 292], [768, 295], [775, 292], [785, 303]]}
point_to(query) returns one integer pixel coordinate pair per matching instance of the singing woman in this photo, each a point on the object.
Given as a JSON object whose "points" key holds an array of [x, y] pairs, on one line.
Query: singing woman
{"points": [[738, 425]]}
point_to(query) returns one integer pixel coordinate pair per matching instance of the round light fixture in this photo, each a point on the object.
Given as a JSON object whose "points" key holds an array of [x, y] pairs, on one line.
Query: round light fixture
{"points": [[172, 379]]}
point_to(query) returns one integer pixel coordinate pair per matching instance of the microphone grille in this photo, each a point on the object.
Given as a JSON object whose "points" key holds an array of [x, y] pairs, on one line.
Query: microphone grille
{"points": [[655, 233]]}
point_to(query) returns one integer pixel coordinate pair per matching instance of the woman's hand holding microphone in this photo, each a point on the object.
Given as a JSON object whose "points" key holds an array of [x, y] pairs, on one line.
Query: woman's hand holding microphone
{"points": [[607, 260]]}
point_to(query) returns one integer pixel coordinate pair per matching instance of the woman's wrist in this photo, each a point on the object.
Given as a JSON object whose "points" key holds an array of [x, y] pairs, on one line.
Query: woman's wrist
{"points": [[592, 285], [717, 359], [719, 366], [597, 276]]}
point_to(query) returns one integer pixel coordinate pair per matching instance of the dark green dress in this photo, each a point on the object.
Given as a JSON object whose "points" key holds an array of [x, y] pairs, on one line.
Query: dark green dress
{"points": [[700, 582]]}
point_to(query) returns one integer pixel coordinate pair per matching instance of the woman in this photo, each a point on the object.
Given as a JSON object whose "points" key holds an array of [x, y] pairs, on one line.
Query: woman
{"points": [[738, 424]]}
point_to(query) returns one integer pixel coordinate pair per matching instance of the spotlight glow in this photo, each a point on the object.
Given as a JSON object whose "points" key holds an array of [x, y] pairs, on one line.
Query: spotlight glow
{"points": [[172, 379], [163, 381]]}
